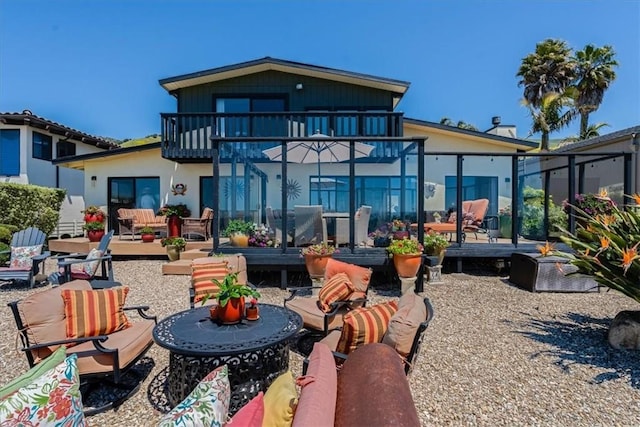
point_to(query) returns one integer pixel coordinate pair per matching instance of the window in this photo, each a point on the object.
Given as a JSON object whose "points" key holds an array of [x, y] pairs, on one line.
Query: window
{"points": [[140, 192], [42, 146], [473, 187], [234, 126], [9, 152], [65, 148]]}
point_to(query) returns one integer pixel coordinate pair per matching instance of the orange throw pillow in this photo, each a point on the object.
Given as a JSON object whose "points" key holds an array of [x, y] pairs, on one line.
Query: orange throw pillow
{"points": [[365, 325], [94, 312], [338, 288], [359, 276], [202, 276]]}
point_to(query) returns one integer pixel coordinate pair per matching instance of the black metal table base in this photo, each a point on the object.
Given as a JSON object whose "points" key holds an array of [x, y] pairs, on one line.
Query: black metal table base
{"points": [[249, 373]]}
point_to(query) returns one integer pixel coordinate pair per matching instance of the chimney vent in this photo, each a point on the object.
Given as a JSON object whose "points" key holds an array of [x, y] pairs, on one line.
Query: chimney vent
{"points": [[495, 120]]}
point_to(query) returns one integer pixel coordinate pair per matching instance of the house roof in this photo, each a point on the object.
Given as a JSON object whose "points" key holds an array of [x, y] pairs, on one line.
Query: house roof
{"points": [[77, 162], [628, 133], [267, 63], [27, 118], [519, 143]]}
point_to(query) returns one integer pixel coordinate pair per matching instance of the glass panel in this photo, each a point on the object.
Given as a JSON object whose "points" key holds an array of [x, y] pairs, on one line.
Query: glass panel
{"points": [[148, 193], [233, 126], [10, 152], [267, 105]]}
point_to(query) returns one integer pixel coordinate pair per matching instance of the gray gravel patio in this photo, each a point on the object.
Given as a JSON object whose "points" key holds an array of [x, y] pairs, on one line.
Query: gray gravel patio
{"points": [[494, 354]]}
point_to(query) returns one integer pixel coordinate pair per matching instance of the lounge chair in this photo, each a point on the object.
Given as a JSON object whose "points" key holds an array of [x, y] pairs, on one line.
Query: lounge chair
{"points": [[26, 257], [473, 212]]}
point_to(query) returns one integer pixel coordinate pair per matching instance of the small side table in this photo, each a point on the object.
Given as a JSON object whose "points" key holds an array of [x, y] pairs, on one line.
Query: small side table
{"points": [[536, 273]]}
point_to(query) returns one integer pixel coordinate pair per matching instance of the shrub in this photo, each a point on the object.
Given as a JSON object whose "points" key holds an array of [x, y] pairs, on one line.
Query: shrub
{"points": [[24, 205]]}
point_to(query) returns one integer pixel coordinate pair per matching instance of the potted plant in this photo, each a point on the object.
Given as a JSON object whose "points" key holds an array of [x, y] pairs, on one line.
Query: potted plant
{"points": [[435, 244], [95, 230], [316, 257], [238, 231], [174, 246], [261, 238], [231, 297], [407, 256], [93, 214], [147, 234], [252, 309], [399, 229], [381, 237], [175, 213]]}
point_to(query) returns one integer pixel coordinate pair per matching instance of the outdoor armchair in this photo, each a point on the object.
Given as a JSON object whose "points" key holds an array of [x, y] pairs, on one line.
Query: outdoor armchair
{"points": [[43, 323], [404, 333], [96, 265], [317, 320], [26, 256], [198, 226]]}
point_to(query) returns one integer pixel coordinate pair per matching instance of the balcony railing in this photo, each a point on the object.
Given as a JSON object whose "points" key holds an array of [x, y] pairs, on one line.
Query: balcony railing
{"points": [[187, 135]]}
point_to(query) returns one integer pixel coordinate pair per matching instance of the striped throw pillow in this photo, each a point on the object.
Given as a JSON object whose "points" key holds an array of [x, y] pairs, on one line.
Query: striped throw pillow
{"points": [[365, 325], [202, 276], [337, 288], [94, 312]]}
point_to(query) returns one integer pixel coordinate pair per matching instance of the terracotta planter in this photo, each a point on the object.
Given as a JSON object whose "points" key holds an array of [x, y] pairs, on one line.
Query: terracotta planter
{"points": [[252, 313], [95, 235], [239, 239], [316, 264], [407, 265], [148, 238], [213, 312], [232, 312], [173, 252], [174, 225]]}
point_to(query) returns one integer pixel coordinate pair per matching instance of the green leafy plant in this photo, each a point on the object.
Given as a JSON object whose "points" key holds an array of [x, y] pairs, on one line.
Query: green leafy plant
{"points": [[405, 246], [180, 242], [25, 205], [230, 288], [239, 226], [147, 230], [179, 209], [93, 210], [434, 243], [606, 247], [321, 249], [93, 226]]}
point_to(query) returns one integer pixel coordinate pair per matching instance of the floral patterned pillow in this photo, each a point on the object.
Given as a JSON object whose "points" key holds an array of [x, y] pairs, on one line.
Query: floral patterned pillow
{"points": [[51, 400], [21, 256], [206, 405]]}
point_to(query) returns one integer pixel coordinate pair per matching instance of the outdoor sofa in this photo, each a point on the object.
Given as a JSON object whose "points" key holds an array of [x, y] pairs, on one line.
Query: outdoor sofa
{"points": [[131, 221]]}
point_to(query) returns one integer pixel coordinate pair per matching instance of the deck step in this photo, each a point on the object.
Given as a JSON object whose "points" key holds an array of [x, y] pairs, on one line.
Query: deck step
{"points": [[179, 267], [191, 254]]}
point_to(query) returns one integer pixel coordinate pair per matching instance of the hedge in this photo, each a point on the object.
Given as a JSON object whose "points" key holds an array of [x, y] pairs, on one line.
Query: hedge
{"points": [[25, 205]]}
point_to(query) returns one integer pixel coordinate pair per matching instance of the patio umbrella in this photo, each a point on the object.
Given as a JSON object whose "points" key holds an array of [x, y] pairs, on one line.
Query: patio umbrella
{"points": [[323, 150]]}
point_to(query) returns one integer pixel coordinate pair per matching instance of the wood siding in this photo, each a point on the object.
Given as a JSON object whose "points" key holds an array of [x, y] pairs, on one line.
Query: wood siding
{"points": [[316, 93]]}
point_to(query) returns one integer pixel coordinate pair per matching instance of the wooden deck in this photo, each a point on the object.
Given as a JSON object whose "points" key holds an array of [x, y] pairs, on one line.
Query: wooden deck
{"points": [[262, 259]]}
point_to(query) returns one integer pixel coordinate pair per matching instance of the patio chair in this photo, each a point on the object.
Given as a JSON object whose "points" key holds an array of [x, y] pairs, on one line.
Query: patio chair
{"points": [[315, 319], [96, 265], [361, 227], [404, 333], [198, 226], [473, 211], [26, 257], [310, 227], [43, 318]]}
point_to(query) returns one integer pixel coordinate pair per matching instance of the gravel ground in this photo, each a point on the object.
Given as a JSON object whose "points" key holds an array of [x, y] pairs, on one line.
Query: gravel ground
{"points": [[493, 355]]}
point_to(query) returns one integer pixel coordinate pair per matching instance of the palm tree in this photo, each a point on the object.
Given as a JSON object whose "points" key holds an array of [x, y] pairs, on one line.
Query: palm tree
{"points": [[461, 124], [546, 76], [594, 74], [593, 131], [550, 116], [550, 69], [446, 121]]}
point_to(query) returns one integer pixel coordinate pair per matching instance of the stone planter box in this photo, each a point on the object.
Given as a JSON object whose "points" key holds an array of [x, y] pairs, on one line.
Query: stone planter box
{"points": [[536, 273]]}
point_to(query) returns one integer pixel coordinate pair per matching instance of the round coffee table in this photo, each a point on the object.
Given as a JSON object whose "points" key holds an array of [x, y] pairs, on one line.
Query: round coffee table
{"points": [[256, 352]]}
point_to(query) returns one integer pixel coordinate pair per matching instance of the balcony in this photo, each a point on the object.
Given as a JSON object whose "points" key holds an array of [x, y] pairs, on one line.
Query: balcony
{"points": [[186, 136]]}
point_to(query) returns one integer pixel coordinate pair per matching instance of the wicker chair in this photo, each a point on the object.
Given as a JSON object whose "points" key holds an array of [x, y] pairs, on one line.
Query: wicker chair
{"points": [[198, 226]]}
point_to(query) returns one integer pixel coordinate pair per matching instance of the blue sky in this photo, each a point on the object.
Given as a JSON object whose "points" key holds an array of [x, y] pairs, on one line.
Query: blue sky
{"points": [[95, 65]]}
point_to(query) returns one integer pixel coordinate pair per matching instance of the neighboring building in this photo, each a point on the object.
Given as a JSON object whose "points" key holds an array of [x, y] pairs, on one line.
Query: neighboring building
{"points": [[29, 144]]}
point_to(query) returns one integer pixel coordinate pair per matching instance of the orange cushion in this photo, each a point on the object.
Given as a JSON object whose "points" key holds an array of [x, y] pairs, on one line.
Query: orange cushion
{"points": [[202, 276], [359, 276], [338, 288], [94, 312], [365, 325]]}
